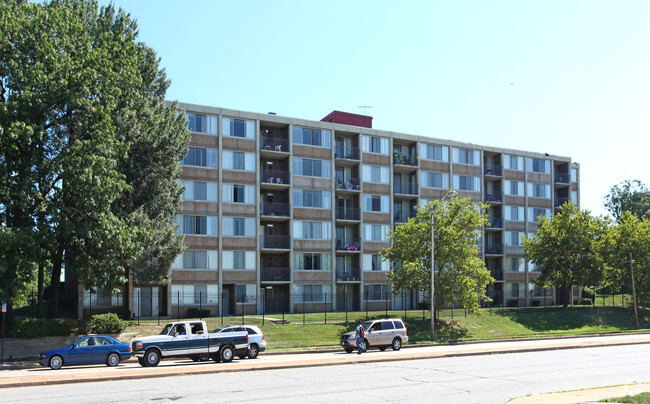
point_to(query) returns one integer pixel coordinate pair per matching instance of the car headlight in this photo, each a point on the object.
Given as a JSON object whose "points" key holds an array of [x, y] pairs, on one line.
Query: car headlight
{"points": [[138, 345]]}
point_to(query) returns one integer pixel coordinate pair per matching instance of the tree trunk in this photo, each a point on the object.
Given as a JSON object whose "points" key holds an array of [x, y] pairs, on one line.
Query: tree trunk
{"points": [[53, 309], [41, 279]]}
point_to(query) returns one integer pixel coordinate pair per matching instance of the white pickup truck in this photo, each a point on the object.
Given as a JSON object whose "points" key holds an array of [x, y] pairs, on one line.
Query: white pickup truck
{"points": [[189, 339]]}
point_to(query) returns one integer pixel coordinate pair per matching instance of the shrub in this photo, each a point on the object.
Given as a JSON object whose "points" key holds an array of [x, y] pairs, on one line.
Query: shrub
{"points": [[58, 327], [107, 323], [586, 301], [30, 328], [194, 312]]}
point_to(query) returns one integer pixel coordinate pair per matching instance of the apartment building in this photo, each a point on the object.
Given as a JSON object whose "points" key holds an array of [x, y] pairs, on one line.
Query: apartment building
{"points": [[283, 214]]}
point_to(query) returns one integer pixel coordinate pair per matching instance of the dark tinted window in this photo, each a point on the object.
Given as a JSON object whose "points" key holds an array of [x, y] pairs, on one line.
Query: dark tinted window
{"points": [[250, 331], [398, 324], [387, 325]]}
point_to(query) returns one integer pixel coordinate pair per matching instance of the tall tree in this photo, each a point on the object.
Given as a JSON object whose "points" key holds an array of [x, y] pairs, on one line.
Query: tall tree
{"points": [[91, 148], [567, 249], [628, 196], [460, 276]]}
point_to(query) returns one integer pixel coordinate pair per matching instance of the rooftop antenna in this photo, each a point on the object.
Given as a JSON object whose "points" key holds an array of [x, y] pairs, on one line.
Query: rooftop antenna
{"points": [[365, 107]]}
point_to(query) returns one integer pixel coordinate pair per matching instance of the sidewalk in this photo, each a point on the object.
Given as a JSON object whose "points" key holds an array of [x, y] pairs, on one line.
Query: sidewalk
{"points": [[131, 370]]}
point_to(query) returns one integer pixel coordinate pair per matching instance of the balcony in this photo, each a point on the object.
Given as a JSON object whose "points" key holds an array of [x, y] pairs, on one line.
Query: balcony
{"points": [[494, 170], [274, 274], [348, 244], [348, 275], [347, 153], [497, 274], [495, 223], [406, 188], [563, 178], [404, 159], [559, 201], [277, 242], [275, 177], [274, 145], [348, 183], [401, 218], [276, 209], [348, 214], [494, 249], [494, 196]]}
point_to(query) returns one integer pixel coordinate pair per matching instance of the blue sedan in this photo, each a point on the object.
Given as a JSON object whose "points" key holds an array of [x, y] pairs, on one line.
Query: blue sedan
{"points": [[89, 349]]}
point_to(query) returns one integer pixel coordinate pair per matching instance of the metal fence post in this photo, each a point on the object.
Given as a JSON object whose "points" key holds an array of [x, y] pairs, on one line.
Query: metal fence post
{"points": [[303, 307], [178, 305], [325, 308], [345, 302], [139, 307]]}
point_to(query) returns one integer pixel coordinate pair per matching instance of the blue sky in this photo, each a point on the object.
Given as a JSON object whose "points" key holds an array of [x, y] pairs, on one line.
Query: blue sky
{"points": [[569, 78]]}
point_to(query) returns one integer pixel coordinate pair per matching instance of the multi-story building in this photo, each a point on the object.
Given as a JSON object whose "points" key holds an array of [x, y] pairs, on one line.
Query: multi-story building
{"points": [[286, 214]]}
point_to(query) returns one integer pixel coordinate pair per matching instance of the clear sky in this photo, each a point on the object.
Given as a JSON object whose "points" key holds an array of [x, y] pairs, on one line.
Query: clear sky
{"points": [[570, 78]]}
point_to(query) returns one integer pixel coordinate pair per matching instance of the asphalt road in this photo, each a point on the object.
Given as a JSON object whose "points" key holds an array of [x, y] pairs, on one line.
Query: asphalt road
{"points": [[485, 378]]}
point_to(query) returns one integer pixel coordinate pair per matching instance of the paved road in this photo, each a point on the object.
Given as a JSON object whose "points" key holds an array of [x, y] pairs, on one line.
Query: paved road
{"points": [[483, 378]]}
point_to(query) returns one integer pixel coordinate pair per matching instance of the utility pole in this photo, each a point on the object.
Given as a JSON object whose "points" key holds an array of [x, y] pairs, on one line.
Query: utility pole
{"points": [[636, 314]]}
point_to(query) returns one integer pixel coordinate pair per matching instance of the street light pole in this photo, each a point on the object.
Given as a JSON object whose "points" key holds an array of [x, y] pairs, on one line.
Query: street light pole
{"points": [[433, 264]]}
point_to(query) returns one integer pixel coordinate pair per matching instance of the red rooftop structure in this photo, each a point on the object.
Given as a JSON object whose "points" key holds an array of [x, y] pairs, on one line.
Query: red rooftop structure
{"points": [[347, 118]]}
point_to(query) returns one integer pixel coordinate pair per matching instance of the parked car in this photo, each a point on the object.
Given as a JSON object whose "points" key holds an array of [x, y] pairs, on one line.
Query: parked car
{"points": [[256, 341], [382, 333], [85, 350]]}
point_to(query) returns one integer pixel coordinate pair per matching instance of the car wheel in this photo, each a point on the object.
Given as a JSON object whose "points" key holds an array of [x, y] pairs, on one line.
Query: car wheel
{"points": [[253, 351], [195, 358], [142, 362], [113, 359], [216, 357], [364, 345], [152, 357], [226, 353], [56, 362], [348, 350], [397, 344]]}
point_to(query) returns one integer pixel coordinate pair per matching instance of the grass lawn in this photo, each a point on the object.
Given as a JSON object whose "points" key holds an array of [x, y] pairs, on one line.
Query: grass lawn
{"points": [[637, 399], [509, 323]]}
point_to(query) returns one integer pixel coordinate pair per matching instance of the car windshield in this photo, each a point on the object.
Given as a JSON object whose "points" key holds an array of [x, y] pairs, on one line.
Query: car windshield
{"points": [[366, 325], [165, 330]]}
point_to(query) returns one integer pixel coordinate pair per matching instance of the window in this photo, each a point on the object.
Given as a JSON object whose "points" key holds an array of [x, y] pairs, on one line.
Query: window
{"points": [[312, 199], [234, 160], [202, 123], [533, 213], [197, 259], [198, 225], [199, 191], [515, 188], [246, 294], [200, 294], [539, 190], [239, 128], [515, 290], [311, 262], [189, 294], [373, 262], [433, 152], [312, 293], [233, 260], [375, 174], [513, 162], [379, 291], [539, 166], [574, 197], [574, 175], [239, 193], [312, 137], [375, 232], [467, 183], [239, 226], [513, 238], [376, 203], [104, 298], [515, 213], [515, 265], [373, 144], [312, 168], [464, 156], [435, 180], [312, 230], [201, 157]]}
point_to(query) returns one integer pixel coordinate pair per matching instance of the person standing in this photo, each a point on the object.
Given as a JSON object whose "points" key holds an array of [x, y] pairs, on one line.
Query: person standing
{"points": [[359, 336]]}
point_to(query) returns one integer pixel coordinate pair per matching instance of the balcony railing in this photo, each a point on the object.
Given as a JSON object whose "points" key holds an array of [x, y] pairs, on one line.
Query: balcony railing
{"points": [[282, 242], [275, 177], [275, 209], [271, 274], [348, 214], [276, 145], [402, 218], [348, 244], [497, 274], [494, 196], [495, 222], [348, 183], [406, 188], [348, 274], [560, 201], [493, 170], [494, 248], [404, 159], [350, 153], [564, 178]]}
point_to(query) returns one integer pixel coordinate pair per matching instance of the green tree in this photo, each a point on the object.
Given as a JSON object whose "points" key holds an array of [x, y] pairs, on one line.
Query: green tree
{"points": [[628, 196], [630, 237], [567, 249], [91, 149], [460, 274]]}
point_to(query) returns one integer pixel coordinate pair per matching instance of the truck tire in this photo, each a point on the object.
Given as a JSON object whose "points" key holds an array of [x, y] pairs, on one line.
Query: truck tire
{"points": [[152, 357], [142, 362], [216, 357], [226, 353]]}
